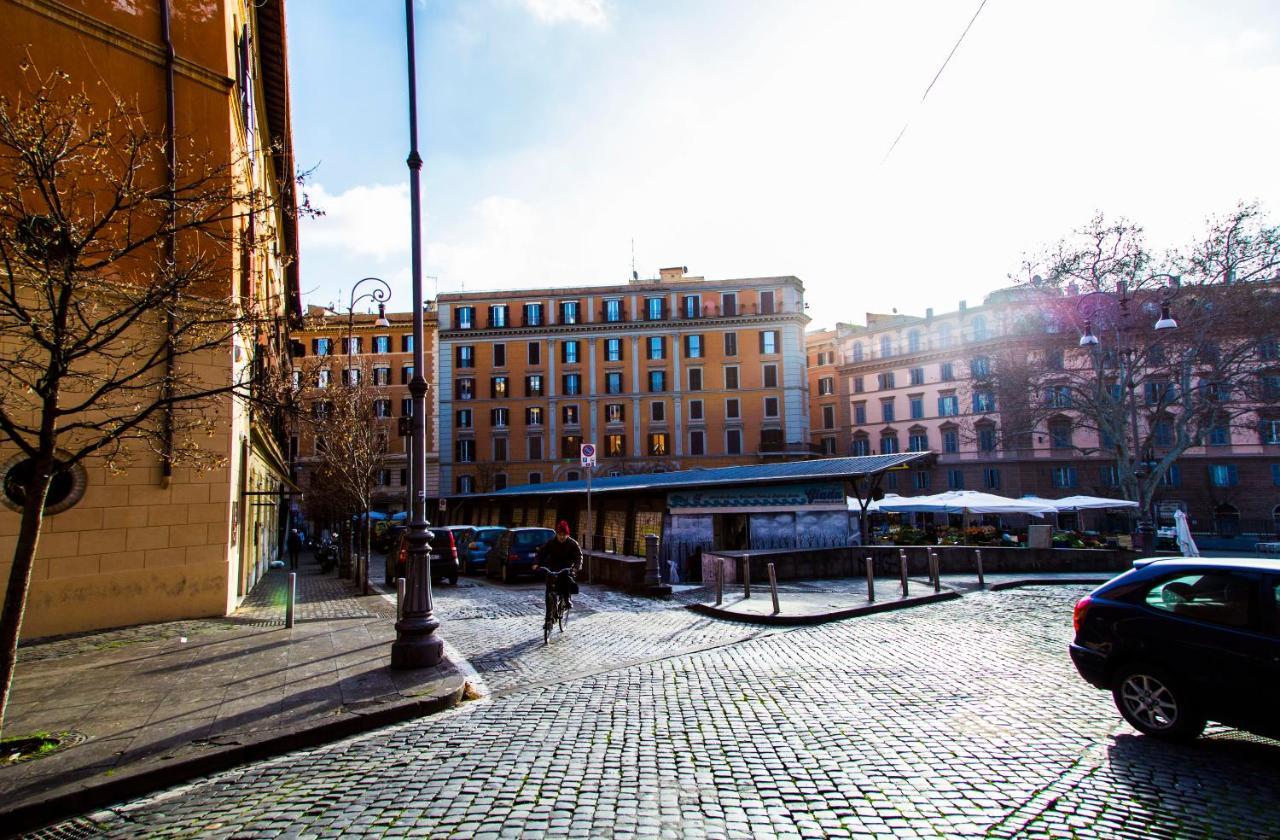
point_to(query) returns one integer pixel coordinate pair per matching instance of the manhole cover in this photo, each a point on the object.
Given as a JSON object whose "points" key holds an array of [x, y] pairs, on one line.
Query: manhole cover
{"points": [[55, 742]]}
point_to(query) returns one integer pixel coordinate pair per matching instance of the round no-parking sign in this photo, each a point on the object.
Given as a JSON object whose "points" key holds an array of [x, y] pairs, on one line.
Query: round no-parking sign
{"points": [[588, 454]]}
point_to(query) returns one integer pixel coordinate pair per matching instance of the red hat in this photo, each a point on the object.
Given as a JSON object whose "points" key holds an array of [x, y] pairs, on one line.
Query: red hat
{"points": [[563, 527]]}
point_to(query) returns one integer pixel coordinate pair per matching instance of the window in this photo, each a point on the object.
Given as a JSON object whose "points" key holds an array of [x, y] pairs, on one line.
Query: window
{"points": [[733, 442], [945, 338], [569, 415], [884, 381], [500, 418], [1213, 597], [615, 413], [950, 441], [1161, 434], [826, 386], [1064, 476], [692, 306], [658, 411], [917, 376], [1223, 475], [462, 418], [351, 376], [535, 453], [886, 346], [767, 302], [693, 347], [986, 438], [613, 382], [730, 344], [354, 345], [979, 328], [828, 417], [656, 347], [658, 443], [695, 409], [382, 408], [466, 484], [980, 366], [382, 376], [533, 314], [771, 376], [860, 414], [768, 341], [731, 379], [500, 480], [991, 478], [464, 389], [534, 415], [464, 317], [613, 310], [572, 384], [615, 446], [1219, 435], [860, 446], [570, 446], [889, 443], [321, 346], [697, 442], [695, 379], [947, 372], [613, 350], [323, 378], [406, 407], [827, 446], [1057, 396], [535, 478], [535, 353], [657, 381], [886, 410], [569, 352], [497, 316], [731, 409], [920, 479], [1172, 476], [856, 351], [1109, 475], [858, 385], [955, 479], [464, 451], [916, 405], [569, 312], [984, 402], [1060, 434], [913, 341], [499, 449], [499, 355], [406, 343], [1275, 474], [918, 442], [533, 385], [770, 406], [654, 308], [729, 303], [498, 388], [1270, 431], [382, 344]]}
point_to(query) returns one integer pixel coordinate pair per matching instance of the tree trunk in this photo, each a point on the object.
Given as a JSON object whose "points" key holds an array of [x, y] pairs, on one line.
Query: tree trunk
{"points": [[15, 597], [364, 570]]}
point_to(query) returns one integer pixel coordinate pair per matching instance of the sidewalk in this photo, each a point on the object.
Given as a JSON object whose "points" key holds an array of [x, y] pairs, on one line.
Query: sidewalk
{"points": [[158, 704]]}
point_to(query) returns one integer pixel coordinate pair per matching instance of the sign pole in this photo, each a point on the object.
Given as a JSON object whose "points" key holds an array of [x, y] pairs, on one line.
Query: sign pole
{"points": [[588, 459]]}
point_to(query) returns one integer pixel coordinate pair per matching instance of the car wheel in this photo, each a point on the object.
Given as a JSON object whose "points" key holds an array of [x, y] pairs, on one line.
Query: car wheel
{"points": [[1155, 703], [453, 579], [506, 574]]}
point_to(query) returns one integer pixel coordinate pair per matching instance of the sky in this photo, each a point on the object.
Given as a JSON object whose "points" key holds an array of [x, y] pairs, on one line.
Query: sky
{"points": [[749, 138]]}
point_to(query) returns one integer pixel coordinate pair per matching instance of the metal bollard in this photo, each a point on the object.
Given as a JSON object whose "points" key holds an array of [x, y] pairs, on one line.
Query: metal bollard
{"points": [[982, 581], [871, 579], [719, 580], [773, 589], [746, 576], [902, 561], [400, 584], [291, 599], [935, 571]]}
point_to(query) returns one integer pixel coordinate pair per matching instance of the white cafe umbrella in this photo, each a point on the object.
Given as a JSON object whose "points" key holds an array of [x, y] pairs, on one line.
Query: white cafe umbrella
{"points": [[1186, 544], [1090, 503], [966, 502], [873, 505]]}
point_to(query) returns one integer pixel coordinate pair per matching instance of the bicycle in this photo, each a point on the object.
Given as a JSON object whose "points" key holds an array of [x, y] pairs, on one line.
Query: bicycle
{"points": [[558, 604]]}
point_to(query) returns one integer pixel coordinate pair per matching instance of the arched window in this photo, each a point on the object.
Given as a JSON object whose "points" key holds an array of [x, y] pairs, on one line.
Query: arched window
{"points": [[1226, 520], [913, 341], [886, 346], [857, 351]]}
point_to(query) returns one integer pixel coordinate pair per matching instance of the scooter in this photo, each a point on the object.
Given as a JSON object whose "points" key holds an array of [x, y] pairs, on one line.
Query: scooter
{"points": [[327, 555]]}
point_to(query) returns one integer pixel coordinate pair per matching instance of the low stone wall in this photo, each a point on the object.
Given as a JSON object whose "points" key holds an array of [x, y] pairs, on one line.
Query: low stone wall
{"points": [[796, 564], [619, 571]]}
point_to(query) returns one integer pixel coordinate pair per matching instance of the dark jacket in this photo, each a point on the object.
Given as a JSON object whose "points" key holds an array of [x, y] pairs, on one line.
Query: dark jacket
{"points": [[555, 555], [295, 541]]}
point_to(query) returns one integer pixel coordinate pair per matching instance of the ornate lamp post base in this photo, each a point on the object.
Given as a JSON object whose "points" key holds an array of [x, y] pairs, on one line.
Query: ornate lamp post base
{"points": [[416, 646]]}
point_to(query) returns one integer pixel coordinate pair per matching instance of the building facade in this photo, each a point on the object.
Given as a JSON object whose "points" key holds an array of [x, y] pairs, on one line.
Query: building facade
{"points": [[828, 411], [330, 352], [660, 375], [921, 383]]}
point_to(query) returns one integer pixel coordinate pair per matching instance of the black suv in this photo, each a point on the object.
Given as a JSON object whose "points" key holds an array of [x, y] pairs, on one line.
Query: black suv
{"points": [[1182, 641]]}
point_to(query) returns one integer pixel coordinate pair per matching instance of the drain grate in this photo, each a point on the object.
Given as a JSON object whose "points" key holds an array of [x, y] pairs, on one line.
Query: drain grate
{"points": [[79, 828]]}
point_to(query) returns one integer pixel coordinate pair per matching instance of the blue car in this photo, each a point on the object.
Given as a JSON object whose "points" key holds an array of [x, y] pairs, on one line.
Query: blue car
{"points": [[1183, 641], [514, 552], [474, 552]]}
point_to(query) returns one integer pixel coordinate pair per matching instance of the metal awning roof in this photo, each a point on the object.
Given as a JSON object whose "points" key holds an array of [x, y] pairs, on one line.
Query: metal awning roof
{"points": [[816, 469]]}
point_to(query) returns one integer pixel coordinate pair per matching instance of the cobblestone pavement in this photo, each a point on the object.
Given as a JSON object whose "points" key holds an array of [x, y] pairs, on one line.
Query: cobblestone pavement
{"points": [[958, 719]]}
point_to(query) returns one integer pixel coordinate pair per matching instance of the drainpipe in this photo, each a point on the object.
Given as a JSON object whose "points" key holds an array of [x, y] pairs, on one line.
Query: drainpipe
{"points": [[170, 241]]}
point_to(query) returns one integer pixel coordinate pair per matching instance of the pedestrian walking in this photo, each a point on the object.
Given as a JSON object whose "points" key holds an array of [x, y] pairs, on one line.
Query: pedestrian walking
{"points": [[295, 548]]}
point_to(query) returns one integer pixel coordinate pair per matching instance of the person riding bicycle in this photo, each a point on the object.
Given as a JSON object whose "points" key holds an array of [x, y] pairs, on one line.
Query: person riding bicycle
{"points": [[560, 552]]}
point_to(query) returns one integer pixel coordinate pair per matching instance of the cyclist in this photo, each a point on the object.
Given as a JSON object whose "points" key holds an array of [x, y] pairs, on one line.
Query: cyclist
{"points": [[560, 552]]}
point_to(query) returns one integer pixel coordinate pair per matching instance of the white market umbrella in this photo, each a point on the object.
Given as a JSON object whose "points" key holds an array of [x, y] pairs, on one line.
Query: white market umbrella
{"points": [[1186, 544], [966, 502], [1071, 503], [872, 506]]}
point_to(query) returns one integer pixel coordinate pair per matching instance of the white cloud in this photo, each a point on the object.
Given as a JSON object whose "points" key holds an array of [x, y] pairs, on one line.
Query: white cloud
{"points": [[367, 220], [582, 12]]}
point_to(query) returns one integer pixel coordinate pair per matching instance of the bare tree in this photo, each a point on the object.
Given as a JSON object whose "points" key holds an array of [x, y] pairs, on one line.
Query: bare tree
{"points": [[1140, 395], [115, 302]]}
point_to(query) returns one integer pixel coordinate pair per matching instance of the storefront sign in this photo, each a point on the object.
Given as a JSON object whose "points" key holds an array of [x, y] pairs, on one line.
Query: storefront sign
{"points": [[811, 496]]}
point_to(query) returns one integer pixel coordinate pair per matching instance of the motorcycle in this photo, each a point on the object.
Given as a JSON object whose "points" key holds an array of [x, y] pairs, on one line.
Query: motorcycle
{"points": [[327, 555]]}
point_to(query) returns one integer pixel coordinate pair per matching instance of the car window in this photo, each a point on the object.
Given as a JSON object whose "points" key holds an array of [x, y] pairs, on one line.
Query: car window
{"points": [[1275, 613], [528, 538], [488, 537], [1215, 597]]}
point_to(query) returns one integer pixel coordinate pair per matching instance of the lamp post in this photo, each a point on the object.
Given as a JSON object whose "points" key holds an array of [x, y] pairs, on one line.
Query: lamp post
{"points": [[416, 644], [1123, 297]]}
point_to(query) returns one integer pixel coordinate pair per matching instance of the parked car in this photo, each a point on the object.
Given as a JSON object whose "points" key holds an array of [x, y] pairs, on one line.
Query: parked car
{"points": [[474, 553], [514, 552], [1182, 641], [444, 556]]}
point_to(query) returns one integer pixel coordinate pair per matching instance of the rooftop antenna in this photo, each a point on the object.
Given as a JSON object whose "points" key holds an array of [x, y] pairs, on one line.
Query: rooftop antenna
{"points": [[634, 274]]}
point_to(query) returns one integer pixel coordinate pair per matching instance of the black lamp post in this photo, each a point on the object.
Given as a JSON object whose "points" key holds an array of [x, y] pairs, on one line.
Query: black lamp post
{"points": [[1125, 351], [416, 644]]}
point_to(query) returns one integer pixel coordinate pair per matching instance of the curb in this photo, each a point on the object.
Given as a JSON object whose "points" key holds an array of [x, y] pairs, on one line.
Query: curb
{"points": [[823, 618], [92, 795], [1015, 584]]}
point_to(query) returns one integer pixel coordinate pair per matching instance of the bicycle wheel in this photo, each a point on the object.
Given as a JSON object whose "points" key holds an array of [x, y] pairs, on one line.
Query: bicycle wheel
{"points": [[563, 611], [550, 618]]}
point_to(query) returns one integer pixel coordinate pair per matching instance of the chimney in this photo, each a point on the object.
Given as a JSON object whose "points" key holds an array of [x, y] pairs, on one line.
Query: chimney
{"points": [[673, 274], [963, 306], [928, 314]]}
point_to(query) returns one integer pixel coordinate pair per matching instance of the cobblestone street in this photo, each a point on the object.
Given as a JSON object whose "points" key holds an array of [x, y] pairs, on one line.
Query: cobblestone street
{"points": [[963, 718]]}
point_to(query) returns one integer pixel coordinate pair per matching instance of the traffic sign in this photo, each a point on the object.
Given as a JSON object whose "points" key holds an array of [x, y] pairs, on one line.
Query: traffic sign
{"points": [[444, 505], [588, 454]]}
